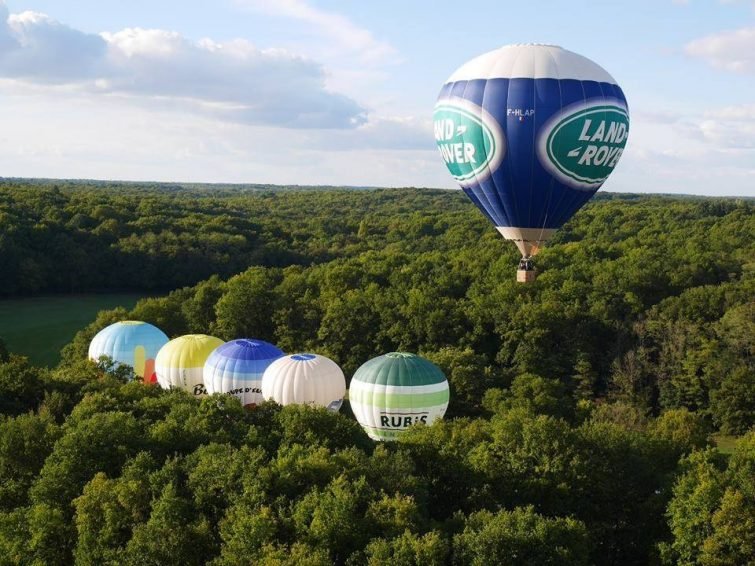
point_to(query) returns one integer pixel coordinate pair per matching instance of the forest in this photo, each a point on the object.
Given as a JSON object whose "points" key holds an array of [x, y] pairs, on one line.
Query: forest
{"points": [[585, 408]]}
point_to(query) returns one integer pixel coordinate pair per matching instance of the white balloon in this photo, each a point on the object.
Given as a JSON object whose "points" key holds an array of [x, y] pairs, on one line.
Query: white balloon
{"points": [[307, 379]]}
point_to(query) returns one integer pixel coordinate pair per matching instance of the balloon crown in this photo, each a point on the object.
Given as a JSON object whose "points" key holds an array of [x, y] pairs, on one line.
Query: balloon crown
{"points": [[303, 357], [534, 45], [400, 355]]}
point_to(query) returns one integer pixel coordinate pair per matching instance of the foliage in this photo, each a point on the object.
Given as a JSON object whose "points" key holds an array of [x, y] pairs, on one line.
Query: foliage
{"points": [[573, 399], [712, 512], [136, 474], [520, 537]]}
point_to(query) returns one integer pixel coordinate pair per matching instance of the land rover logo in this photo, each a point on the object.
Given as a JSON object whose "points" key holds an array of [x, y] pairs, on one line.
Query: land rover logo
{"points": [[469, 139], [582, 144]]}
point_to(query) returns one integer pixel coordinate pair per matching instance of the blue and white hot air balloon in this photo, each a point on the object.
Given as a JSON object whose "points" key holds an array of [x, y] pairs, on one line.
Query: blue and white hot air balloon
{"points": [[236, 368], [130, 342], [530, 132]]}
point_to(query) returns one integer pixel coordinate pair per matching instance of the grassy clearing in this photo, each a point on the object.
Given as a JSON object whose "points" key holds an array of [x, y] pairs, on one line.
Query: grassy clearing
{"points": [[39, 327], [724, 443]]}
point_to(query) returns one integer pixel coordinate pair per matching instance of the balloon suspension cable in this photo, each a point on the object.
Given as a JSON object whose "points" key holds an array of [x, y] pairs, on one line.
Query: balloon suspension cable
{"points": [[542, 230]]}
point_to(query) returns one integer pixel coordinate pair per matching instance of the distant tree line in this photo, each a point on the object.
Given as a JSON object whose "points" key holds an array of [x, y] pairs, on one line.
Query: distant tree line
{"points": [[82, 237]]}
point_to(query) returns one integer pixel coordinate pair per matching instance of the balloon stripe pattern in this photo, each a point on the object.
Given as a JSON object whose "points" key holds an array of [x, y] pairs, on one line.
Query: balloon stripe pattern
{"points": [[391, 392], [237, 367], [180, 363], [306, 379], [130, 342], [530, 132]]}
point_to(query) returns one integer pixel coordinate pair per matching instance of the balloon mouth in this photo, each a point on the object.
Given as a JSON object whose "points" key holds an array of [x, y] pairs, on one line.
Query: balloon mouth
{"points": [[528, 240], [303, 357]]}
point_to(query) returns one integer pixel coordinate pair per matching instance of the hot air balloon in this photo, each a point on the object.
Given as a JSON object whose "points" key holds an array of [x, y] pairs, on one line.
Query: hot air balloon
{"points": [[306, 379], [180, 363], [392, 392], [530, 132], [130, 342], [236, 368]]}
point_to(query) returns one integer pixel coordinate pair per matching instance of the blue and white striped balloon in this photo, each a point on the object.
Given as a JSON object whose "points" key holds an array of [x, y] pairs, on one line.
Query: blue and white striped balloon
{"points": [[530, 132], [236, 368]]}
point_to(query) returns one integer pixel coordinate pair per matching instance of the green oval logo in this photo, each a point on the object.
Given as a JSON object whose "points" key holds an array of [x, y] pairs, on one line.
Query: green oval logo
{"points": [[581, 146], [469, 139]]}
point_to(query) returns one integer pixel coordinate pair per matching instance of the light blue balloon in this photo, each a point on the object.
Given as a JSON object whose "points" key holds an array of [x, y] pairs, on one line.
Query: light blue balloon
{"points": [[130, 342]]}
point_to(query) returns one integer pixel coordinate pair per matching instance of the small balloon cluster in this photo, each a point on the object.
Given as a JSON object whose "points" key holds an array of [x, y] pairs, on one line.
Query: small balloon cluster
{"points": [[387, 394]]}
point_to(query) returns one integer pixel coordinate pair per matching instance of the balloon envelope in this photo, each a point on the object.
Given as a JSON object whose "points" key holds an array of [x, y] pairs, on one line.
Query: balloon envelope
{"points": [[391, 392], [530, 132], [180, 363], [130, 342], [305, 379], [236, 368]]}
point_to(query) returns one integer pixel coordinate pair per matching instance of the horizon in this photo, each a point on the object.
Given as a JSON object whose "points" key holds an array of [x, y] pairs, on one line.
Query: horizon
{"points": [[296, 186], [325, 93]]}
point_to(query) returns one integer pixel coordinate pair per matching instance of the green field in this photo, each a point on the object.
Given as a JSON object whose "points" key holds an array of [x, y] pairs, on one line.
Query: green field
{"points": [[724, 443], [39, 327]]}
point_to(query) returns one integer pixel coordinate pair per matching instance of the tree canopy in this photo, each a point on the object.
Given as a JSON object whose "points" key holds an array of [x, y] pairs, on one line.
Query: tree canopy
{"points": [[581, 405]]}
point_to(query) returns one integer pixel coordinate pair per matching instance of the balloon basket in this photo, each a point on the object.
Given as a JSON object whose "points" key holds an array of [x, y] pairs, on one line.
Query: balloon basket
{"points": [[526, 275]]}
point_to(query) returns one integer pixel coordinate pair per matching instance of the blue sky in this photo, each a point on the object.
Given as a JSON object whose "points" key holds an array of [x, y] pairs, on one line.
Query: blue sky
{"points": [[334, 92]]}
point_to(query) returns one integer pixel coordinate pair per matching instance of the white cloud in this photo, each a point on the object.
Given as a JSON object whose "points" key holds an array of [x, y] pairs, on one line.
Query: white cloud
{"points": [[723, 129], [731, 127], [232, 81], [730, 50], [70, 136], [330, 25], [358, 63], [82, 135], [726, 129], [386, 132], [37, 48], [706, 153], [153, 105]]}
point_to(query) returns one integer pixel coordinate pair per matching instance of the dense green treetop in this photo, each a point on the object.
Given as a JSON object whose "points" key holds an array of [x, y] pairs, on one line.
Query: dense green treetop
{"points": [[581, 405], [104, 471]]}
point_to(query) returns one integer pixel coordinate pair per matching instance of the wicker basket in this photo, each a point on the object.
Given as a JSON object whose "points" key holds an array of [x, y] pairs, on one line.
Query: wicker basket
{"points": [[526, 276]]}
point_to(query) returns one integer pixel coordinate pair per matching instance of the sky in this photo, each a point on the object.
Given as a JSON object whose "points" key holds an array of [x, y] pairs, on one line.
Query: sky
{"points": [[314, 92]]}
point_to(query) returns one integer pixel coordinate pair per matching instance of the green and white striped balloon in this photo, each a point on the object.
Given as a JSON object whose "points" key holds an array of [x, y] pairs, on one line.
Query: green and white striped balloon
{"points": [[392, 392]]}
